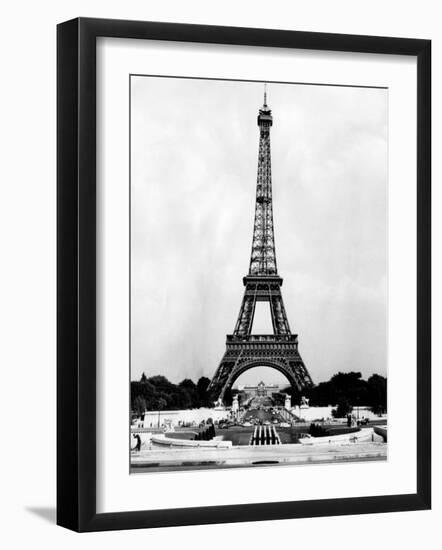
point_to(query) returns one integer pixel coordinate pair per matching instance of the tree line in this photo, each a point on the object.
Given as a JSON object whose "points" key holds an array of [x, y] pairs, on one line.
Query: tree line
{"points": [[347, 389], [158, 393], [343, 390]]}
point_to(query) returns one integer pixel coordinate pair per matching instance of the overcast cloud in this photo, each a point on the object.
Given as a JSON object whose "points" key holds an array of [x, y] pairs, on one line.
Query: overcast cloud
{"points": [[193, 178]]}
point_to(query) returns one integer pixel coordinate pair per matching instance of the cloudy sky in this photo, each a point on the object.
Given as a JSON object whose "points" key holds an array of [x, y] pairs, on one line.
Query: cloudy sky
{"points": [[194, 146]]}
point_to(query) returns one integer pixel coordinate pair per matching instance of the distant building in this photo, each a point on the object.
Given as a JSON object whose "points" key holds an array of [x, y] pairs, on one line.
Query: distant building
{"points": [[260, 390]]}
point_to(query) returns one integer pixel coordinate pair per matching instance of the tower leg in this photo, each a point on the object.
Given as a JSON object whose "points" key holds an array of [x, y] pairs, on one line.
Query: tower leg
{"points": [[244, 354]]}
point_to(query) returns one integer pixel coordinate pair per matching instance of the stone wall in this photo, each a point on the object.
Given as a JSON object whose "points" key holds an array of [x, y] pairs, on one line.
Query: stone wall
{"points": [[310, 414], [154, 418]]}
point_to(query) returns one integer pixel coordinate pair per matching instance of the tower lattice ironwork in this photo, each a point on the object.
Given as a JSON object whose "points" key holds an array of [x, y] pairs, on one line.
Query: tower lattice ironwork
{"points": [[245, 350]]}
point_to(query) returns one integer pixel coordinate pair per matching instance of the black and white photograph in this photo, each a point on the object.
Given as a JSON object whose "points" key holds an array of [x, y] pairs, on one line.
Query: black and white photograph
{"points": [[221, 251], [258, 274]]}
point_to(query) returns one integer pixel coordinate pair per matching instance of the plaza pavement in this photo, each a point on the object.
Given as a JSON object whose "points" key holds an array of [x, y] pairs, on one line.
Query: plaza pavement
{"points": [[291, 454]]}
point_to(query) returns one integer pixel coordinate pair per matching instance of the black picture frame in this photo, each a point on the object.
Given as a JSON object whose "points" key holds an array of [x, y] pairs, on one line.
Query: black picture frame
{"points": [[77, 288]]}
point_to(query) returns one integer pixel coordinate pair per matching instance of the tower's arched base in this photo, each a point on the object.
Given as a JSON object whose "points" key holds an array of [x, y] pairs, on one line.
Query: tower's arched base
{"points": [[243, 353]]}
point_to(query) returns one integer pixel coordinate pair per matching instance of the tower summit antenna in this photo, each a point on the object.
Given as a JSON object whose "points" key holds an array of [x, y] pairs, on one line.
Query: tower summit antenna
{"points": [[265, 94]]}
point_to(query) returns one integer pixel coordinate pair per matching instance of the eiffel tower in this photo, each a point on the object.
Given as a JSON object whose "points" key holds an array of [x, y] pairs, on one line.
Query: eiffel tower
{"points": [[262, 284]]}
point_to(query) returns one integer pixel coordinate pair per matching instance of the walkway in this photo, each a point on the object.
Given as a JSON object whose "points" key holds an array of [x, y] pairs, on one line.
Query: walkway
{"points": [[163, 460]]}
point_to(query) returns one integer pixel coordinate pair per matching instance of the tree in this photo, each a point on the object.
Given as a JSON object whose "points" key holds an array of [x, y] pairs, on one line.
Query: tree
{"points": [[343, 385], [159, 381], [189, 388], [188, 384], [325, 393], [278, 399], [139, 405], [377, 409], [343, 408], [157, 391], [377, 393], [203, 384], [145, 390], [175, 397], [203, 394], [161, 403]]}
